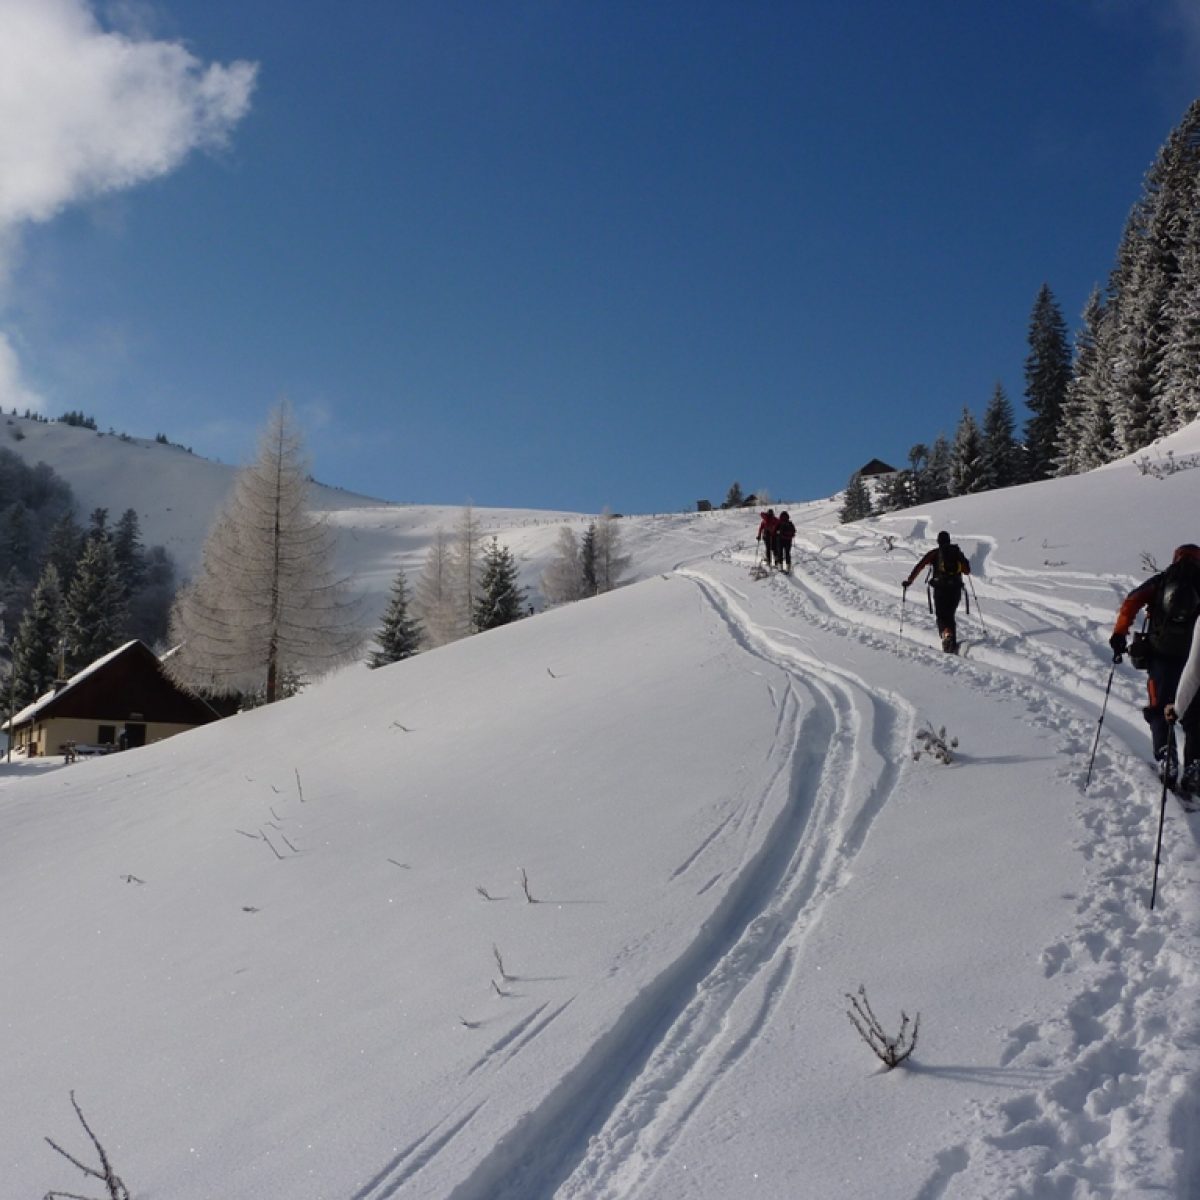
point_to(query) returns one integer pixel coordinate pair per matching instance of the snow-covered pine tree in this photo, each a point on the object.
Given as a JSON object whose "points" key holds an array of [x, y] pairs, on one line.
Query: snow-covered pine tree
{"points": [[609, 564], [127, 545], [918, 463], [434, 601], [38, 641], [856, 504], [1149, 261], [266, 604], [501, 599], [966, 465], [1085, 432], [1047, 374], [999, 453], [1177, 382], [895, 492], [399, 635], [95, 606], [938, 470], [63, 548], [562, 580]]}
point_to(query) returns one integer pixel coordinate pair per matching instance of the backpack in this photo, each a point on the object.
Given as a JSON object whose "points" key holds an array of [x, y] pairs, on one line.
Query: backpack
{"points": [[1174, 609], [946, 570]]}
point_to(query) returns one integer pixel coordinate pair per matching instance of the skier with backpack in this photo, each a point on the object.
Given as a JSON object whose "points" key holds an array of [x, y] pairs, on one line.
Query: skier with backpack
{"points": [[785, 531], [766, 534], [1172, 603], [947, 565]]}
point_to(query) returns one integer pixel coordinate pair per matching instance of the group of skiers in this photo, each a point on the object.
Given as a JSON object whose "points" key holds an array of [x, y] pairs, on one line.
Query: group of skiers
{"points": [[775, 534], [1164, 647]]}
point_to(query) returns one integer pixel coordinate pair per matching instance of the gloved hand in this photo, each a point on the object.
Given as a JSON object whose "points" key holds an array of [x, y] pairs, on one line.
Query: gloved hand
{"points": [[1170, 713], [904, 584], [1119, 646]]}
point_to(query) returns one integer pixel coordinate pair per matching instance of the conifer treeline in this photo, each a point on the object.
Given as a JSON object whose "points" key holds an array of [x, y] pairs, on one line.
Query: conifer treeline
{"points": [[1133, 375]]}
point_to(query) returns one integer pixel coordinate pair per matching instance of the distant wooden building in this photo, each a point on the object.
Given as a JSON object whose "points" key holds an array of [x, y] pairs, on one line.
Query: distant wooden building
{"points": [[875, 468], [120, 701]]}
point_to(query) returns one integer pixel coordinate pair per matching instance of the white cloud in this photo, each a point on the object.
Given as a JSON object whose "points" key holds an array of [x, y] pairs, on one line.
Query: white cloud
{"points": [[13, 391], [86, 110]]}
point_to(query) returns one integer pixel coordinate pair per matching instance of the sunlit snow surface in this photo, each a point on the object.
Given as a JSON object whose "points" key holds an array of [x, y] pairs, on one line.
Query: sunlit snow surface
{"points": [[292, 955]]}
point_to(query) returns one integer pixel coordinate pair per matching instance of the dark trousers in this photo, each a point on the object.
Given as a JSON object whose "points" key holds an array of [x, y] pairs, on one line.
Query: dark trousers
{"points": [[1161, 687], [945, 605], [783, 552]]}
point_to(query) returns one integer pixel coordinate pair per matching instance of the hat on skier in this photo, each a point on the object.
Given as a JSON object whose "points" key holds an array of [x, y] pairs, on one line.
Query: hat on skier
{"points": [[1187, 550], [943, 538]]}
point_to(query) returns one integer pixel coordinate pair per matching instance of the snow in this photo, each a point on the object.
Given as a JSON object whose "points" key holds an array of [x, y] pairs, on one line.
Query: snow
{"points": [[263, 954]]}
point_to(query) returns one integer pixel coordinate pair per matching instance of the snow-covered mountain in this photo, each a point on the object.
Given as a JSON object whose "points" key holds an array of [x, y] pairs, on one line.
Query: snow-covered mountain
{"points": [[571, 908], [176, 495]]}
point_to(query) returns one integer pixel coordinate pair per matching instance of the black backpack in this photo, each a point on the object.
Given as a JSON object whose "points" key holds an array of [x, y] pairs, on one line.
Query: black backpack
{"points": [[1174, 609], [946, 570]]}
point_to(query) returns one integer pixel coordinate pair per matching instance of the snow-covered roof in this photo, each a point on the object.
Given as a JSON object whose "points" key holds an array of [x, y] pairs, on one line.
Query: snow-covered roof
{"points": [[31, 710]]}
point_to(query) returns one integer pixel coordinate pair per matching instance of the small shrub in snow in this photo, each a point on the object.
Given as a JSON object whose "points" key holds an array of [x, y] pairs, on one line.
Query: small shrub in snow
{"points": [[934, 742], [891, 1051], [116, 1190], [1167, 464]]}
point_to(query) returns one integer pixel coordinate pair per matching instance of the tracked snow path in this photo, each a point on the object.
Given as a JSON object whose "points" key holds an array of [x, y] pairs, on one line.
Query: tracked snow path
{"points": [[609, 1123], [1124, 1042]]}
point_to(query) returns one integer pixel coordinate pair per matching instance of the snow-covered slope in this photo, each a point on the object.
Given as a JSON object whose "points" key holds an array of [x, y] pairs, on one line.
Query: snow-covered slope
{"points": [[292, 954]]}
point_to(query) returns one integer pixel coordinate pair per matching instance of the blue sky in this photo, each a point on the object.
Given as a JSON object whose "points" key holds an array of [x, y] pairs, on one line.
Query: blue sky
{"points": [[562, 254]]}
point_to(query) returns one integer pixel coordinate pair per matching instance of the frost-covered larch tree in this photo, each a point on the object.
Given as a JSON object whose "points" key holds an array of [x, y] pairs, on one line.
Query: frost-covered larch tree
{"points": [[399, 635], [465, 553], [434, 595], [609, 564], [266, 605], [562, 580]]}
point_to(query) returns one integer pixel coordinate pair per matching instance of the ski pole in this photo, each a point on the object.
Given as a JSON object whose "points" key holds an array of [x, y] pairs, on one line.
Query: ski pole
{"points": [[1162, 810], [903, 598], [979, 611], [1103, 710]]}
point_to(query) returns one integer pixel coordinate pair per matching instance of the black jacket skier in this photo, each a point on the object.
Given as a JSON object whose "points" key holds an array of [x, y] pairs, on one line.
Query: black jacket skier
{"points": [[948, 564]]}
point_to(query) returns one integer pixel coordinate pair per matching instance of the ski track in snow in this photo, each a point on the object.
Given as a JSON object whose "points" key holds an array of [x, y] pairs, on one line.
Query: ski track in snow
{"points": [[1119, 1055], [603, 1130]]}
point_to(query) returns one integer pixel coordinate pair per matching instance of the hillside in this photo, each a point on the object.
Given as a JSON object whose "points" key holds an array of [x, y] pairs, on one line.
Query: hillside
{"points": [[177, 494], [293, 955]]}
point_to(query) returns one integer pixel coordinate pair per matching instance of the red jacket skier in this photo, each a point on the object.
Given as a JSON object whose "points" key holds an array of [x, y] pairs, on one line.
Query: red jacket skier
{"points": [[766, 534]]}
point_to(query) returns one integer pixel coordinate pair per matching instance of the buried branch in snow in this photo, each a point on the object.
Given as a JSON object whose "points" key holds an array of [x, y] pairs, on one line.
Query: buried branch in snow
{"points": [[116, 1190], [891, 1051]]}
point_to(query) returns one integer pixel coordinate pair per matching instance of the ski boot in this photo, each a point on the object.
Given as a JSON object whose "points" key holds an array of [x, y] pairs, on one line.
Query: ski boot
{"points": [[1168, 767], [1189, 783]]}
